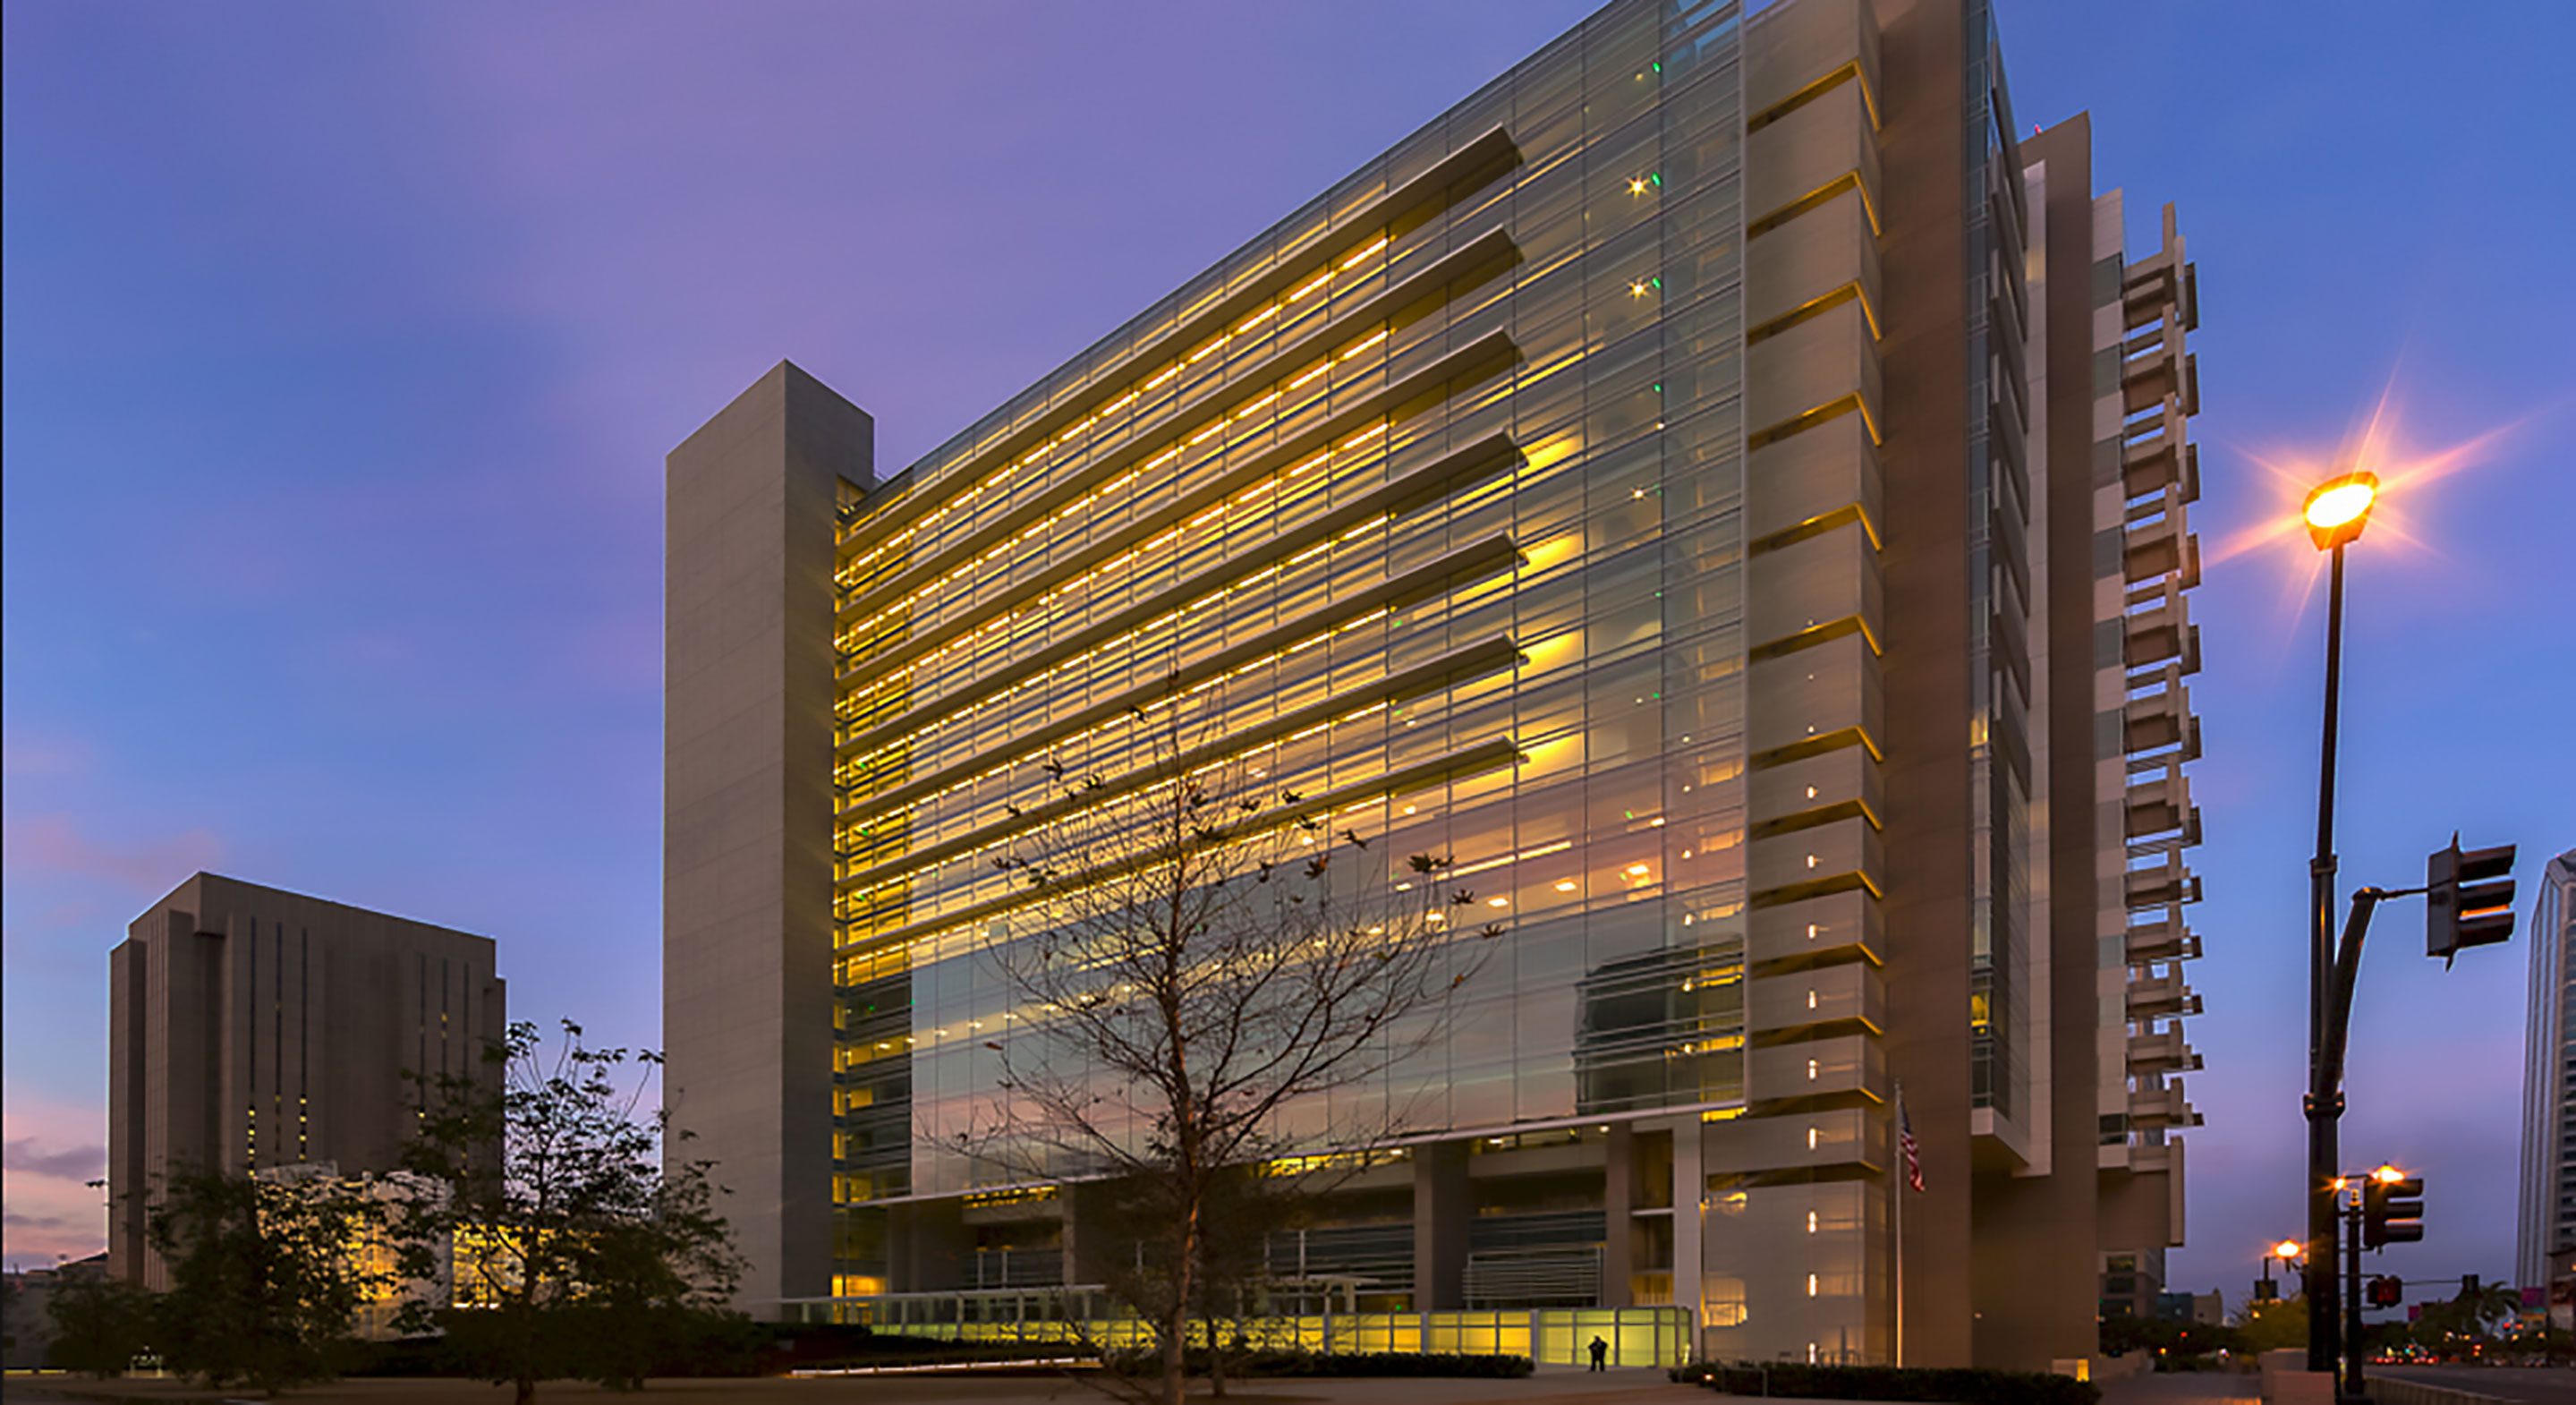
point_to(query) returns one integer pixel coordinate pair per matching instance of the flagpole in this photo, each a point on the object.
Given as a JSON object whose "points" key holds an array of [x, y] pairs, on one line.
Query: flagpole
{"points": [[1896, 1192]]}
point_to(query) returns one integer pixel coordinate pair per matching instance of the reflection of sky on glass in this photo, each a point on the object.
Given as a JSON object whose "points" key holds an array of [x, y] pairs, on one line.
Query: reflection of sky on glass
{"points": [[342, 347]]}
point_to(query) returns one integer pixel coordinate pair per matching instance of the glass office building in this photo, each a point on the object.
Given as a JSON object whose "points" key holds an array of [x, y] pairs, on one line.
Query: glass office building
{"points": [[1718, 484], [2546, 1228]]}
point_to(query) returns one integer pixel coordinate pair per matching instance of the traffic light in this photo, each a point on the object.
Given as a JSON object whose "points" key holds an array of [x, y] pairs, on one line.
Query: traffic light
{"points": [[2468, 898], [2387, 1292], [2392, 1209]]}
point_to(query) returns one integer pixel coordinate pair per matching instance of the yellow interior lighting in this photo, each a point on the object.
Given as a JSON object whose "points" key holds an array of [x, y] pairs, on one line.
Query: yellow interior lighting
{"points": [[1110, 490], [848, 574]]}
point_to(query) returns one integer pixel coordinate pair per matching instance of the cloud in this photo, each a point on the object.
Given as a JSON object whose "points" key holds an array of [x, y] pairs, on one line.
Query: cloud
{"points": [[55, 844], [62, 916], [24, 754], [80, 1163], [51, 1210], [374, 648], [48, 1219]]}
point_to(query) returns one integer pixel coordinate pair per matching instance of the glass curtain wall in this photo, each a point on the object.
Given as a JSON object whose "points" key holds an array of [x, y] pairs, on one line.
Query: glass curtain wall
{"points": [[1581, 300], [1999, 583]]}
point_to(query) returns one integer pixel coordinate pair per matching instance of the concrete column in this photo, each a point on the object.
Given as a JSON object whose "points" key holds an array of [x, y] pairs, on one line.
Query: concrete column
{"points": [[1442, 1206], [926, 1246], [747, 812], [1690, 1197], [1619, 1206], [1091, 1244], [127, 1015]]}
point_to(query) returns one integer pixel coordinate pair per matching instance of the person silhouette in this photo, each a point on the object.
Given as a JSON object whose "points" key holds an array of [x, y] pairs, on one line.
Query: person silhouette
{"points": [[1600, 1354]]}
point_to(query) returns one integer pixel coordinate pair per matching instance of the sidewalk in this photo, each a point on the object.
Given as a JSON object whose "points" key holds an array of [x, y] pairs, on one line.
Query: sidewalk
{"points": [[2183, 1388], [1556, 1385]]}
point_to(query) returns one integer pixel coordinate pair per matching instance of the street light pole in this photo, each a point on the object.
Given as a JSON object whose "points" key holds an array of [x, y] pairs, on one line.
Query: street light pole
{"points": [[2335, 514], [2352, 1388], [2324, 1103]]}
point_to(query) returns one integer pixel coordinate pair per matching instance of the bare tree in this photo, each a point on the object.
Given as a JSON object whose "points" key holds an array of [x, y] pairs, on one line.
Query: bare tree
{"points": [[1198, 947]]}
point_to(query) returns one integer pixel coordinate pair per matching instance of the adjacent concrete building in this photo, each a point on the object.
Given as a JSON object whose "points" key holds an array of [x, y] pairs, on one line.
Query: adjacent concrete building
{"points": [[2547, 1227], [253, 1029], [1725, 482], [26, 1311]]}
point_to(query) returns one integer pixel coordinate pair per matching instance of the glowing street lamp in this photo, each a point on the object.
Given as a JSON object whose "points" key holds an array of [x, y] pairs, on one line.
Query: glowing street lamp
{"points": [[2287, 1251], [2338, 508]]}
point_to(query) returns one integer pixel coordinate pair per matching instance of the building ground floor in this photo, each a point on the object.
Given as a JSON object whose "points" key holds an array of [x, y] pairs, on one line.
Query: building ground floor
{"points": [[1711, 1233]]}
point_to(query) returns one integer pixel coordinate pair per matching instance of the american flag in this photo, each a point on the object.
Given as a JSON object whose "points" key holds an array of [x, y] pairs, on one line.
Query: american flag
{"points": [[1905, 1143]]}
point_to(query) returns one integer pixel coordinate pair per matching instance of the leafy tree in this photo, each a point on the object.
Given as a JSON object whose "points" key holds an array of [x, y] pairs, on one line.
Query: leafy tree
{"points": [[1198, 948], [2542, 1345], [572, 1247], [2165, 1337], [101, 1322], [2273, 1326], [267, 1273], [2466, 1321], [2491, 1305]]}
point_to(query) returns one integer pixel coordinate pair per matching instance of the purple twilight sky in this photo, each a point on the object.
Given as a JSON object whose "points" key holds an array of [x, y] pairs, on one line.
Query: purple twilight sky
{"points": [[343, 344]]}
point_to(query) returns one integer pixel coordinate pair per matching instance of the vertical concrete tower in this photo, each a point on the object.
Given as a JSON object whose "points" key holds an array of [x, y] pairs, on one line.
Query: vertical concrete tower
{"points": [[747, 810]]}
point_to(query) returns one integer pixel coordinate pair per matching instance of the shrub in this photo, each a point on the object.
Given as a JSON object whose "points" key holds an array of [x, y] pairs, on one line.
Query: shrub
{"points": [[101, 1323], [1337, 1363], [406, 1356], [889, 1350], [1801, 1381], [690, 1344]]}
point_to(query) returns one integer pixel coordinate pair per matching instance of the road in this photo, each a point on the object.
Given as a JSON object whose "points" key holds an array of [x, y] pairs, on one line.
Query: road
{"points": [[2533, 1385]]}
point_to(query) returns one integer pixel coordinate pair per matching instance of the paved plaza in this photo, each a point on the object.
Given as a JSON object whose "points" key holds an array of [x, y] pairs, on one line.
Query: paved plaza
{"points": [[1554, 1385]]}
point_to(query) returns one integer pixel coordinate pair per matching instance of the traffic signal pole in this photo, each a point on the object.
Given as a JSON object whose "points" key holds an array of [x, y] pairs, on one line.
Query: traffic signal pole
{"points": [[2324, 1102]]}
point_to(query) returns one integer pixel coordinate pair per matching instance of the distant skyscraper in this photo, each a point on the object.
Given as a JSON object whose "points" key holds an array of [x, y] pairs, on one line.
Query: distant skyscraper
{"points": [[2548, 1221], [1725, 482], [250, 1028]]}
